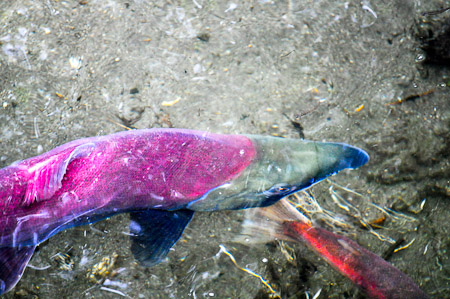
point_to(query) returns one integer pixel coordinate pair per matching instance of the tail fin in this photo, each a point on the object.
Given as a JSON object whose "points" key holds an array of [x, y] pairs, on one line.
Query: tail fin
{"points": [[263, 225], [376, 277], [13, 262]]}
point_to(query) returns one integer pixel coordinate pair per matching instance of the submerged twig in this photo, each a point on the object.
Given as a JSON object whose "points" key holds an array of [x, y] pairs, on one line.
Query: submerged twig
{"points": [[114, 291], [224, 250]]}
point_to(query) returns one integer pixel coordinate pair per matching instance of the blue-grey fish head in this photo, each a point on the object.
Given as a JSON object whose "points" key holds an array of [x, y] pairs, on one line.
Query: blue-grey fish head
{"points": [[281, 167]]}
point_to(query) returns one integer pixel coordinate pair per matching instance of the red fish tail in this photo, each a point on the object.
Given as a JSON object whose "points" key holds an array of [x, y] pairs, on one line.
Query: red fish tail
{"points": [[263, 225], [372, 274]]}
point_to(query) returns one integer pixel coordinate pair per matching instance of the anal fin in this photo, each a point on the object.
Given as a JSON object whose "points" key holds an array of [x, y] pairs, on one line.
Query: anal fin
{"points": [[13, 262], [154, 232]]}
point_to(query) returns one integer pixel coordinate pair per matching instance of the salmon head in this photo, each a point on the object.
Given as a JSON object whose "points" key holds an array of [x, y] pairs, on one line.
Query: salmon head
{"points": [[279, 167]]}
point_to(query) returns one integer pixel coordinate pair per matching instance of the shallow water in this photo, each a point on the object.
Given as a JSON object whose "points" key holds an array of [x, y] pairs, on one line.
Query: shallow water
{"points": [[71, 69]]}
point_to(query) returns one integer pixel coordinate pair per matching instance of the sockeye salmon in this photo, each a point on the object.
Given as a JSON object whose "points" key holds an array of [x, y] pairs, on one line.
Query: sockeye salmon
{"points": [[159, 176]]}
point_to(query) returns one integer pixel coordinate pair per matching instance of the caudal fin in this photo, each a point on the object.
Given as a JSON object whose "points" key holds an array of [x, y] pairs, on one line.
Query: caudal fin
{"points": [[13, 262], [263, 225]]}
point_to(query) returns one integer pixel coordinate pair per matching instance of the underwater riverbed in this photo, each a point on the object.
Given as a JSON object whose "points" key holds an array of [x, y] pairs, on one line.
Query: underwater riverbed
{"points": [[369, 74]]}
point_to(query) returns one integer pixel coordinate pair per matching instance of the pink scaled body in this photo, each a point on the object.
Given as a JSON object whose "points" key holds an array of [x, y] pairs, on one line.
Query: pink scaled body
{"points": [[99, 176]]}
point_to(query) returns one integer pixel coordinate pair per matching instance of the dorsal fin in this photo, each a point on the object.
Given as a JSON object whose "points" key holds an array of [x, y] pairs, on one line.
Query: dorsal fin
{"points": [[46, 176]]}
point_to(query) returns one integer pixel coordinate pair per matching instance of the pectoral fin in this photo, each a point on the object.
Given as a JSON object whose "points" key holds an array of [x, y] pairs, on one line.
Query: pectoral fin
{"points": [[154, 232], [13, 262]]}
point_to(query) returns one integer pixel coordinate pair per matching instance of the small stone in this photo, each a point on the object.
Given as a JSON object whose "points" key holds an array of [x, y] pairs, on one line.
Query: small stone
{"points": [[204, 37]]}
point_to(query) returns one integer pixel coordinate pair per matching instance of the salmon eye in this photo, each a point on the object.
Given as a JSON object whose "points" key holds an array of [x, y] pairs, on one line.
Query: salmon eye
{"points": [[278, 189]]}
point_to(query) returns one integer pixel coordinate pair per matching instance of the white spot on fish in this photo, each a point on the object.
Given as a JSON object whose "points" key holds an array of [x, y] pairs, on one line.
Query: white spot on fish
{"points": [[347, 246], [226, 185], [176, 194], [241, 152], [14, 240], [64, 197], [135, 228], [69, 196], [157, 197]]}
